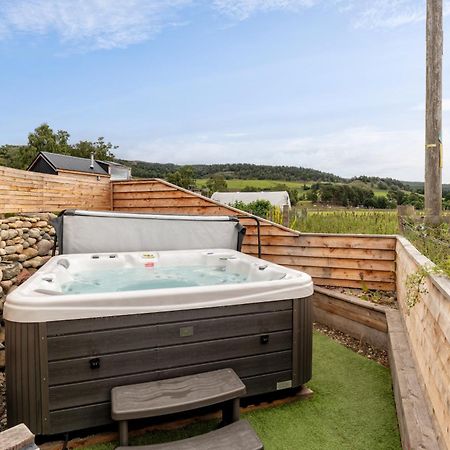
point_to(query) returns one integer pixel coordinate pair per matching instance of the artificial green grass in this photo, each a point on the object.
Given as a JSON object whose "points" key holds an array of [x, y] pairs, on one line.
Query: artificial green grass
{"points": [[352, 408]]}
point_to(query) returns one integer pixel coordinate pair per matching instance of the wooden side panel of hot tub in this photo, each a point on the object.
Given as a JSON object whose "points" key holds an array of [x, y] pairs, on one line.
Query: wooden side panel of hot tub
{"points": [[27, 375], [267, 344]]}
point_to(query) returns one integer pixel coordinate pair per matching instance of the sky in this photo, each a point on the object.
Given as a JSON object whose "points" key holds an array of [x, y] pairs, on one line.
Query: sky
{"points": [[336, 85]]}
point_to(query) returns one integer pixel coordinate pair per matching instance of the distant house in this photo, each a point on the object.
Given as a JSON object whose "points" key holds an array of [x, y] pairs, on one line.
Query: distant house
{"points": [[276, 198], [116, 171], [57, 164]]}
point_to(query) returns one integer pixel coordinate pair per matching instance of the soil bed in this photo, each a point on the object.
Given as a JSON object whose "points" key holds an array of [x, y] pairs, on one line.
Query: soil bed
{"points": [[362, 348], [384, 298]]}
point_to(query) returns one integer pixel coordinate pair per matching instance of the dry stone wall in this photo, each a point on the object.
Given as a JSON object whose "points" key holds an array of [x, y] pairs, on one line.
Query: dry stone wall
{"points": [[26, 243]]}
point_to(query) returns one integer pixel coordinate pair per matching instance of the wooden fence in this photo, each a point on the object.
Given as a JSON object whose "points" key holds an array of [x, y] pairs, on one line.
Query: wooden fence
{"points": [[332, 260], [367, 261], [428, 327], [22, 191]]}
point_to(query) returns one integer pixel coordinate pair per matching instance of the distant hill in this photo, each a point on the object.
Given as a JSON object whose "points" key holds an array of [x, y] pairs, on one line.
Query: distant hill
{"points": [[10, 157], [419, 185], [242, 171], [144, 169]]}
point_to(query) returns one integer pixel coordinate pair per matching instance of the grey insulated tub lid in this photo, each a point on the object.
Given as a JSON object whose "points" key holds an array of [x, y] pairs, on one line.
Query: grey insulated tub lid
{"points": [[100, 231]]}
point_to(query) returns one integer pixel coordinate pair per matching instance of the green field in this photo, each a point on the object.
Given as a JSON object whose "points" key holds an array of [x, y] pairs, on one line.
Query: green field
{"points": [[380, 192], [267, 185], [352, 408], [261, 185], [346, 221]]}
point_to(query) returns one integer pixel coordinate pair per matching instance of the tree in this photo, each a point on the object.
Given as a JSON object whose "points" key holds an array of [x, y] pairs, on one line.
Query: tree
{"points": [[414, 199], [183, 177], [312, 195], [381, 202], [260, 208], [10, 156], [44, 139], [100, 148], [397, 196], [216, 183]]}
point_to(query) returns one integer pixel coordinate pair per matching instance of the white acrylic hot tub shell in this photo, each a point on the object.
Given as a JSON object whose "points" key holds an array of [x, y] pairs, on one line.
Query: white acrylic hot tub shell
{"points": [[26, 304]]}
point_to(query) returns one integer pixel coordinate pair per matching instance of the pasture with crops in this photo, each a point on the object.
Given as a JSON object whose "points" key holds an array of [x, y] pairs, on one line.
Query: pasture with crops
{"points": [[346, 221]]}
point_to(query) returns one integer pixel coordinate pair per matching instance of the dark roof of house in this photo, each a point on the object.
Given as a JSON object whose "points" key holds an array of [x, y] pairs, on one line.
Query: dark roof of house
{"points": [[67, 162]]}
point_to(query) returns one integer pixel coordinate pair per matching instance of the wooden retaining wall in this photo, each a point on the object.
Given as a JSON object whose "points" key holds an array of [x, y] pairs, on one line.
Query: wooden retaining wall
{"points": [[365, 261], [384, 328], [361, 319], [22, 191], [428, 329]]}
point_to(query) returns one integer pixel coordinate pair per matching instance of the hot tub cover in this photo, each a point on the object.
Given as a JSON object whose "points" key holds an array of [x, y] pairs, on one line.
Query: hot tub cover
{"points": [[101, 231]]}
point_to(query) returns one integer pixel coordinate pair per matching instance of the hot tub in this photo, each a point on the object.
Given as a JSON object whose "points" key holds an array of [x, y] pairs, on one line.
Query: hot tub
{"points": [[85, 323]]}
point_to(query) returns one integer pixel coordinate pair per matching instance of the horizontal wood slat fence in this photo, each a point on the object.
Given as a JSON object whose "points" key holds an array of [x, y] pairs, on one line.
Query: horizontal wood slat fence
{"points": [[22, 191], [428, 327], [359, 261], [332, 260]]}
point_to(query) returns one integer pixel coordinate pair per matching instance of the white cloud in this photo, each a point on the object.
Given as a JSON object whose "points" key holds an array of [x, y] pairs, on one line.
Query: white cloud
{"points": [[362, 13], [105, 24], [90, 24], [383, 13], [242, 9], [364, 150], [353, 151]]}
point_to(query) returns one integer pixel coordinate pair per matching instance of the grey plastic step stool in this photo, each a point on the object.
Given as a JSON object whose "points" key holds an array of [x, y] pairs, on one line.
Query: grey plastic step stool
{"points": [[162, 397], [237, 436]]}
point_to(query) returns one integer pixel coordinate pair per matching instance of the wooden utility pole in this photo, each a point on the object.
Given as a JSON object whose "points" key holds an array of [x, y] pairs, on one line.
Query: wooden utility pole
{"points": [[433, 120]]}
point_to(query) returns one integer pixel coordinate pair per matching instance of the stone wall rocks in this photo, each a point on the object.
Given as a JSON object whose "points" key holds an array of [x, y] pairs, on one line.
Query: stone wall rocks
{"points": [[26, 243]]}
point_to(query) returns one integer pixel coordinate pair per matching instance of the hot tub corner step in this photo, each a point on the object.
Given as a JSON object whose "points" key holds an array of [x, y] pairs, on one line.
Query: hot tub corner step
{"points": [[158, 398], [175, 395], [236, 436]]}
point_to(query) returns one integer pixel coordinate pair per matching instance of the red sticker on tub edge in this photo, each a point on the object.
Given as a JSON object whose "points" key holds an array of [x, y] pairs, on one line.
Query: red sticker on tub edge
{"points": [[149, 264]]}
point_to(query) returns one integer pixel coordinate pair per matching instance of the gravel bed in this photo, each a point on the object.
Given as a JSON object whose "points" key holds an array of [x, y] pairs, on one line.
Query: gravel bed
{"points": [[378, 355], [385, 298]]}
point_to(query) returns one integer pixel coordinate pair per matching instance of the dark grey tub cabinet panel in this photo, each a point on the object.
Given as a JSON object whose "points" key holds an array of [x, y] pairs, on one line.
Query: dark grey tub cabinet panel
{"points": [[302, 341], [223, 327], [27, 376], [116, 322], [65, 370], [85, 393], [101, 342]]}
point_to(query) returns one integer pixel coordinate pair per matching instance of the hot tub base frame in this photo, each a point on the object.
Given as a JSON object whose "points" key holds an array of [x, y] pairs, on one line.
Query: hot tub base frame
{"points": [[60, 374]]}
